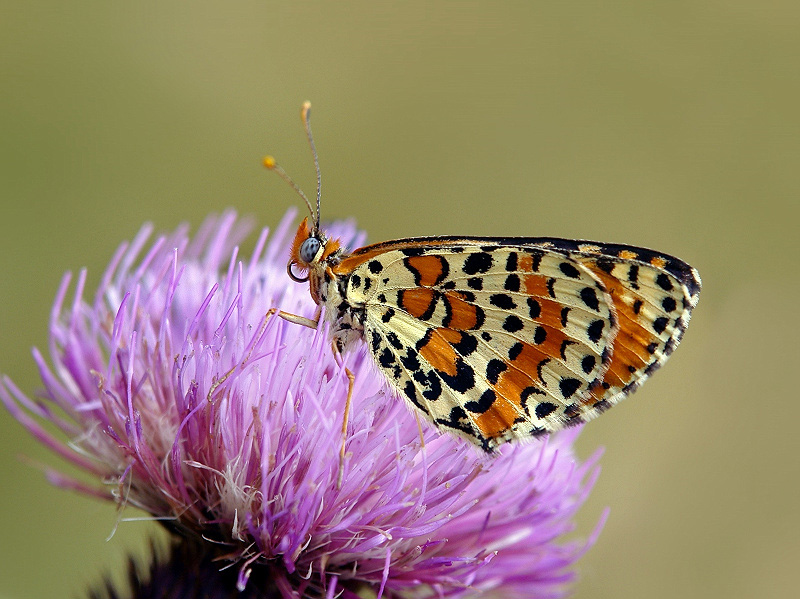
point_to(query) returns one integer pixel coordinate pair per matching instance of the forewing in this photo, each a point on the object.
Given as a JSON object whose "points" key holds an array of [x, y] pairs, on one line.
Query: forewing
{"points": [[494, 342]]}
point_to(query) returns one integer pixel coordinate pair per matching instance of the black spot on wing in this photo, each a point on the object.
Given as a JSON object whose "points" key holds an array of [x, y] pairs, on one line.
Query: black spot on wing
{"points": [[410, 360], [394, 340], [433, 389], [429, 382], [493, 370], [512, 324], [485, 402], [411, 393], [502, 301], [660, 324], [569, 270], [480, 317], [464, 379], [386, 358], [589, 297], [568, 386], [375, 341], [457, 420], [544, 408], [477, 262], [534, 308], [536, 256], [664, 282], [475, 283], [511, 262], [539, 367], [467, 296], [512, 283], [595, 330], [527, 397], [466, 345]]}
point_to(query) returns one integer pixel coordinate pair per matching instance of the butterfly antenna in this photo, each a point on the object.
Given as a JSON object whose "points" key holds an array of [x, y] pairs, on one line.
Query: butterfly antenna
{"points": [[270, 163], [305, 114]]}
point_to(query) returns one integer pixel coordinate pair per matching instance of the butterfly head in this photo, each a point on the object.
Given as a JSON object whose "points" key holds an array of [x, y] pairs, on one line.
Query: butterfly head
{"points": [[311, 252], [307, 249]]}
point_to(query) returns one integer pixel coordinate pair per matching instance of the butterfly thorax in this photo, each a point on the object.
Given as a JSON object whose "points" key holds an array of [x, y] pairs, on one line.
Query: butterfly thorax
{"points": [[316, 255]]}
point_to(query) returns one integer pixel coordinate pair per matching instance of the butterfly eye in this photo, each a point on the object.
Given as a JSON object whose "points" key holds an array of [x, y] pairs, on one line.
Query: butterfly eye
{"points": [[309, 249]]}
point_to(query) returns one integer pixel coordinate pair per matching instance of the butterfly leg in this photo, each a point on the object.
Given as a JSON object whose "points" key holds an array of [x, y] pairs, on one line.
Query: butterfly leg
{"points": [[311, 323], [351, 379]]}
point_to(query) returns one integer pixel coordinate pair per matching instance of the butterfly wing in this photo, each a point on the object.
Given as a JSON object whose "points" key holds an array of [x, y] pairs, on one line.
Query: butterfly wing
{"points": [[501, 339]]}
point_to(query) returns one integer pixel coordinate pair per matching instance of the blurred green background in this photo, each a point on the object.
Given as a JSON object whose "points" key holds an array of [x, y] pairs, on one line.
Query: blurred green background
{"points": [[673, 125]]}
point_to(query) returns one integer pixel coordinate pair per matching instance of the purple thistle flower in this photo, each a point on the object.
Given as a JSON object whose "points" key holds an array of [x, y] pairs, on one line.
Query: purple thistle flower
{"points": [[183, 399]]}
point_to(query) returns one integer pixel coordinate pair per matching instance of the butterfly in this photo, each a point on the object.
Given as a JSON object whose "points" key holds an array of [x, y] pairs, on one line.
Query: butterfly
{"points": [[497, 339]]}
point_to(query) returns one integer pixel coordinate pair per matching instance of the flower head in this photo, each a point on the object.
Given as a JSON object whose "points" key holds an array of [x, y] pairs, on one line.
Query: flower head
{"points": [[184, 398]]}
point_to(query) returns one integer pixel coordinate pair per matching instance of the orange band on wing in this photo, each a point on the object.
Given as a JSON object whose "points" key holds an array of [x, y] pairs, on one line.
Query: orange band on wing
{"points": [[512, 382], [497, 419], [418, 301], [529, 357], [438, 351], [630, 354], [535, 284], [429, 269], [463, 315]]}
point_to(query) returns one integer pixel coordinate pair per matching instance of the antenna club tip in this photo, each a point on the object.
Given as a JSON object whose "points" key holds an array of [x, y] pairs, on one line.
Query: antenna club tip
{"points": [[269, 162], [305, 110]]}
